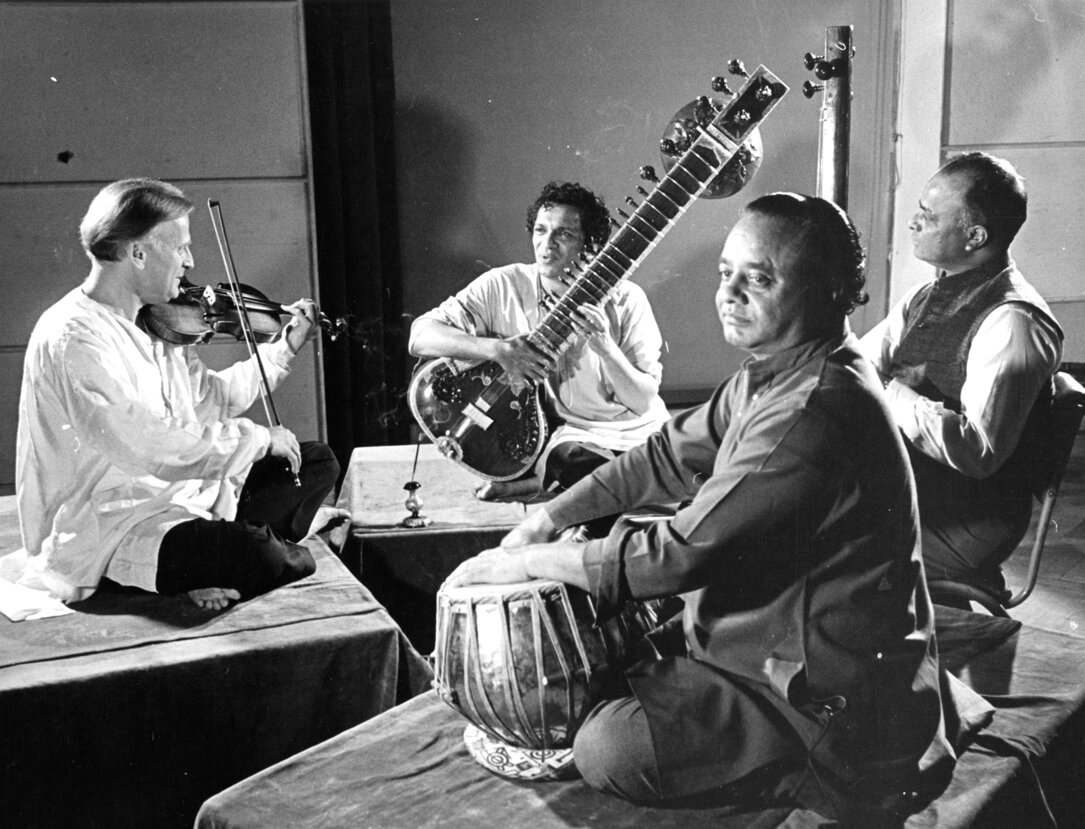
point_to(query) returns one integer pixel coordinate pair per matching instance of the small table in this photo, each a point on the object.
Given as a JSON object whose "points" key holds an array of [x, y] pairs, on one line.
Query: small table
{"points": [[404, 567]]}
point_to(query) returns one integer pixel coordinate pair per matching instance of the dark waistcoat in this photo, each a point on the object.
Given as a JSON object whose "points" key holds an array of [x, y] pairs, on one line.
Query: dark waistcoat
{"points": [[940, 324]]}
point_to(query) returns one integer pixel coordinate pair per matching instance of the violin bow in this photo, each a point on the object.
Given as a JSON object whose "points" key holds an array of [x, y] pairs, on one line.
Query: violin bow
{"points": [[219, 226]]}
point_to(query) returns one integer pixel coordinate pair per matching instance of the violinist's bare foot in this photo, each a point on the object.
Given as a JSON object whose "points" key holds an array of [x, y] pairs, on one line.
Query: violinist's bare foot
{"points": [[214, 598], [523, 489]]}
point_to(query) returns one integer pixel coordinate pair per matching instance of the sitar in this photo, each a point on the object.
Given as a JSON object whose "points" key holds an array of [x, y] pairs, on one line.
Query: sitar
{"points": [[474, 413], [833, 68]]}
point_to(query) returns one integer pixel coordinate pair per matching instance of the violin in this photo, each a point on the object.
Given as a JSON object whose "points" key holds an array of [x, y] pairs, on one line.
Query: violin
{"points": [[198, 313]]}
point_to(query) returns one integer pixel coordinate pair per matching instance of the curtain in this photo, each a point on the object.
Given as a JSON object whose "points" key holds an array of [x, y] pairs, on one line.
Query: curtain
{"points": [[351, 105]]}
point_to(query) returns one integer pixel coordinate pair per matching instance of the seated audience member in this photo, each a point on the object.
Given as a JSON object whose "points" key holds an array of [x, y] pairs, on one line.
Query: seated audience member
{"points": [[804, 661], [967, 361], [604, 390], [132, 460]]}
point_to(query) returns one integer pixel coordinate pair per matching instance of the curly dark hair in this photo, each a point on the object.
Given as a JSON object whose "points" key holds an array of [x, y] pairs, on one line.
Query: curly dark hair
{"points": [[996, 197], [832, 260], [594, 216]]}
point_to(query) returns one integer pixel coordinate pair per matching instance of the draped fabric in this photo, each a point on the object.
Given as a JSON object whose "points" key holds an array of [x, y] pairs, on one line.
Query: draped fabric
{"points": [[136, 708], [351, 103], [408, 768]]}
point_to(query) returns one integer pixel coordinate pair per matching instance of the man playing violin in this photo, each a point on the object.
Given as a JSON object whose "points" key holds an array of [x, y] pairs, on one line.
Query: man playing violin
{"points": [[133, 463], [604, 390]]}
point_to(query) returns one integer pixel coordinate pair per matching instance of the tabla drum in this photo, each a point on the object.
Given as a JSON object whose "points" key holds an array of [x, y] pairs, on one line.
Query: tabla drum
{"points": [[525, 663]]}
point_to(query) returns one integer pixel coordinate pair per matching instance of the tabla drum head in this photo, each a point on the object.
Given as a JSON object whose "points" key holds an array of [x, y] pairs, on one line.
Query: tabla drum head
{"points": [[528, 764]]}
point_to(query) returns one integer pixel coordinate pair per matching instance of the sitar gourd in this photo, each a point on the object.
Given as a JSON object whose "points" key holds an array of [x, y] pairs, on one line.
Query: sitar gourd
{"points": [[474, 413]]}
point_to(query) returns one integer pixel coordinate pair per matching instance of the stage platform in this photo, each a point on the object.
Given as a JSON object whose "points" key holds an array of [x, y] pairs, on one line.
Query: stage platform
{"points": [[409, 769], [133, 710], [403, 566]]}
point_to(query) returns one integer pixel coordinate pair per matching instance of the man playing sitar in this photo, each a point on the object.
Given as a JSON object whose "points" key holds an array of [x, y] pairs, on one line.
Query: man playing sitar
{"points": [[604, 389]]}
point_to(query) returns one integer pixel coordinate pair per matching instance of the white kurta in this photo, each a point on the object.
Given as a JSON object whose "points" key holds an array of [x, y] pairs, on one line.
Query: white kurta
{"points": [[121, 436], [505, 302]]}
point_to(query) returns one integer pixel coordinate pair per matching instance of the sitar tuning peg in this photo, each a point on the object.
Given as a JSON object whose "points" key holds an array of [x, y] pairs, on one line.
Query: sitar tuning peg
{"points": [[822, 69], [642, 191], [703, 111], [719, 84], [811, 89], [631, 202], [648, 172], [735, 67], [668, 147], [614, 221], [623, 214]]}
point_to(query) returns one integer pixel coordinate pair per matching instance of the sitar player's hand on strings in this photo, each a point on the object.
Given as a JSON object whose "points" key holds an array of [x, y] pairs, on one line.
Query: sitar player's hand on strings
{"points": [[522, 360], [591, 323]]}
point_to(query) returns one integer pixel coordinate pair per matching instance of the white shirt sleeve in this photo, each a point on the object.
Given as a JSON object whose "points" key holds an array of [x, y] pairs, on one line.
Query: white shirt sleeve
{"points": [[1012, 355], [880, 343]]}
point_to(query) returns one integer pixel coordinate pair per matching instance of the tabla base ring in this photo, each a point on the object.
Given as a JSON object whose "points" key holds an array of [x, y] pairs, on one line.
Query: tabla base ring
{"points": [[530, 764]]}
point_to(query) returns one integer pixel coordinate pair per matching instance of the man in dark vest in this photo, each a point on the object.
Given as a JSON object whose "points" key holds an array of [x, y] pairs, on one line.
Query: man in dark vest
{"points": [[967, 361]]}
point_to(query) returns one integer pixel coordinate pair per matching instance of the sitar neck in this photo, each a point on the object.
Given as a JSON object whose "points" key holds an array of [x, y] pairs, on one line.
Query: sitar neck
{"points": [[716, 143]]}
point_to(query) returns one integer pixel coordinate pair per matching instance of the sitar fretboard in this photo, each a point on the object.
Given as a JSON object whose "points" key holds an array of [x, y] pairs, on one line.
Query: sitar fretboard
{"points": [[715, 145]]}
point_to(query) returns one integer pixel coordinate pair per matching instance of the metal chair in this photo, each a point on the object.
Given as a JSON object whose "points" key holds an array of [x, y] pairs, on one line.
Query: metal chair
{"points": [[1068, 407]]}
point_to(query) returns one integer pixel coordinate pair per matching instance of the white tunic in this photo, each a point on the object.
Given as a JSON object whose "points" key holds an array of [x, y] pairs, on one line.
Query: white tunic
{"points": [[505, 302], [121, 436]]}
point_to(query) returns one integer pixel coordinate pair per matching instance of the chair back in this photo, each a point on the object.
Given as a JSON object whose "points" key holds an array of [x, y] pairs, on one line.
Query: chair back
{"points": [[1067, 409], [1061, 423]]}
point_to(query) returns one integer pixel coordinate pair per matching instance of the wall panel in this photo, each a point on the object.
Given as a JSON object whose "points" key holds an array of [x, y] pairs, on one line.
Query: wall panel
{"points": [[11, 369], [171, 90], [208, 95], [1015, 72], [1051, 247]]}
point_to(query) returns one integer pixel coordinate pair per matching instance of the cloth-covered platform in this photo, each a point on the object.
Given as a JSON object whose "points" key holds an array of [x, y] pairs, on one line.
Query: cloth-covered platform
{"points": [[405, 566], [409, 768], [137, 707]]}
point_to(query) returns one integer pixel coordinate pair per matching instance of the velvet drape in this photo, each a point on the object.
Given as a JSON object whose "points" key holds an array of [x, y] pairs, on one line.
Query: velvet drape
{"points": [[351, 104]]}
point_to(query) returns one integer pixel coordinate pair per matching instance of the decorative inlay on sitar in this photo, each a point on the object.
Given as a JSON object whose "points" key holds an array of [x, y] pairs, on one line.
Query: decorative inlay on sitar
{"points": [[475, 414]]}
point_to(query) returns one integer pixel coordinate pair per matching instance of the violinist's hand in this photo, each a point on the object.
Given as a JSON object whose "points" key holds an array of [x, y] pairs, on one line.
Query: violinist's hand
{"points": [[303, 325], [284, 445]]}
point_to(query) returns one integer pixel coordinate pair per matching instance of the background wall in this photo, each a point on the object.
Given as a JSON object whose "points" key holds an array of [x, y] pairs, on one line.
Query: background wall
{"points": [[207, 95], [495, 98]]}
